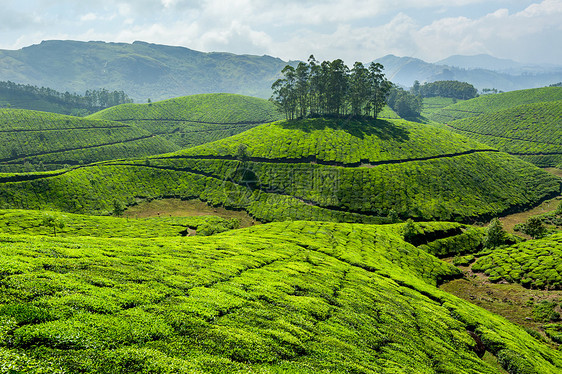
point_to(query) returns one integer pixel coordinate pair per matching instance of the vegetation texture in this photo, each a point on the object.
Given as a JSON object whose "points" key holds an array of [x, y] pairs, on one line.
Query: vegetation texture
{"points": [[532, 132], [534, 263], [310, 170], [294, 297], [32, 140], [493, 103], [196, 119]]}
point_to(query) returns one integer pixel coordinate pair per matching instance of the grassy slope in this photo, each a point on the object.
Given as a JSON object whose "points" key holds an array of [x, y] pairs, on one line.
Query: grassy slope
{"points": [[493, 103], [295, 297], [532, 131], [196, 119], [534, 263], [408, 180], [56, 139], [30, 222]]}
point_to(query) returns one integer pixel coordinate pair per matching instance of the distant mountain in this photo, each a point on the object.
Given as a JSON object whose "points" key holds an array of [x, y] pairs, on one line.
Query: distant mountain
{"points": [[405, 70], [141, 69], [481, 61]]}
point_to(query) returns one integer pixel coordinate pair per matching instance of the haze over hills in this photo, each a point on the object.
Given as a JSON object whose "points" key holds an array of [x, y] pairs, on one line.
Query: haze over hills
{"points": [[405, 70], [160, 72]]}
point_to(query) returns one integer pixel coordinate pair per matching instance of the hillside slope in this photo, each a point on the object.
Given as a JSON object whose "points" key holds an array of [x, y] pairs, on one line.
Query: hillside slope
{"points": [[43, 140], [296, 297], [330, 170], [492, 103], [197, 119], [141, 69], [532, 132]]}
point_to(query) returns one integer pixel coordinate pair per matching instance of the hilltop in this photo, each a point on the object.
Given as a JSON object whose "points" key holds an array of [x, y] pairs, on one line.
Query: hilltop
{"points": [[32, 140], [532, 132], [141, 69], [385, 169], [486, 104], [196, 119], [295, 297]]}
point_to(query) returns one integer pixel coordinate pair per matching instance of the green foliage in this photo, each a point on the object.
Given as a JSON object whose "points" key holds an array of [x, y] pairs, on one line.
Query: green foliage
{"points": [[450, 89], [404, 103], [330, 89], [293, 172], [463, 260], [197, 119], [534, 263], [52, 222], [531, 131], [495, 234], [544, 312], [30, 138], [493, 103], [48, 100], [554, 331], [294, 297], [29, 222], [534, 227]]}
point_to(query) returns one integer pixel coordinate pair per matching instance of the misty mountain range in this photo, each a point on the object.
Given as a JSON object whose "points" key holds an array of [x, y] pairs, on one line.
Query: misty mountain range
{"points": [[145, 70]]}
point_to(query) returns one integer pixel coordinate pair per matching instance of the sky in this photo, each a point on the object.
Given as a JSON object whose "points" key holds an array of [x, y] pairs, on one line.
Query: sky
{"points": [[354, 30]]}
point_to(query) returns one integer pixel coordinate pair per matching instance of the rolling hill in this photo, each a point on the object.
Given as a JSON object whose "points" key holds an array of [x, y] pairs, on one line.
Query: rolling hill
{"points": [[492, 103], [196, 119], [32, 140], [296, 297], [141, 69], [532, 132], [316, 169]]}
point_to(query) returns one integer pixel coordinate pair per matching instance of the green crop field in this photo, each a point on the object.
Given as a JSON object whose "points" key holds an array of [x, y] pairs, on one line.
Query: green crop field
{"points": [[295, 297], [532, 132], [535, 263], [49, 141], [385, 171], [435, 104], [493, 103], [31, 222], [197, 119]]}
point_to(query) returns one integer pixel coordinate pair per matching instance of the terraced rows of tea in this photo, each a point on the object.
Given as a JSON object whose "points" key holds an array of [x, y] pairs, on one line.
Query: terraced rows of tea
{"points": [[532, 132], [48, 140], [492, 103], [297, 297], [535, 263], [396, 176], [197, 119]]}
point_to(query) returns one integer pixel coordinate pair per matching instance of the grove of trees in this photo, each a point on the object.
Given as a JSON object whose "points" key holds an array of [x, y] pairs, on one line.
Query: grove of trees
{"points": [[331, 88], [92, 100], [452, 89]]}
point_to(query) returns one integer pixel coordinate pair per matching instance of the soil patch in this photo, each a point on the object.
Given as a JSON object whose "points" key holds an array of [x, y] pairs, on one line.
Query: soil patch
{"points": [[185, 208]]}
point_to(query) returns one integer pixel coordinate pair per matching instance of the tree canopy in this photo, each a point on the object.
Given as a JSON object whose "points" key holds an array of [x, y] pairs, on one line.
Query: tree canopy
{"points": [[452, 89], [331, 88]]}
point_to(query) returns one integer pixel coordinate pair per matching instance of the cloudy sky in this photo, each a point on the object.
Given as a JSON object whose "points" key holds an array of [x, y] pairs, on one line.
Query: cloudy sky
{"points": [[355, 30]]}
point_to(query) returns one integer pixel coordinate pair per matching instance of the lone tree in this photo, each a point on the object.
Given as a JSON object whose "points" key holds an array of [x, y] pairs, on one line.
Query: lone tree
{"points": [[534, 227], [495, 234], [51, 221]]}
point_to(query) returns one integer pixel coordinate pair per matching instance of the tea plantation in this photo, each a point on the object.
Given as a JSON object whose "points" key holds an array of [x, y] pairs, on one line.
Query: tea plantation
{"points": [[43, 141], [492, 103], [197, 119], [532, 132], [296, 297], [385, 173], [535, 263]]}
